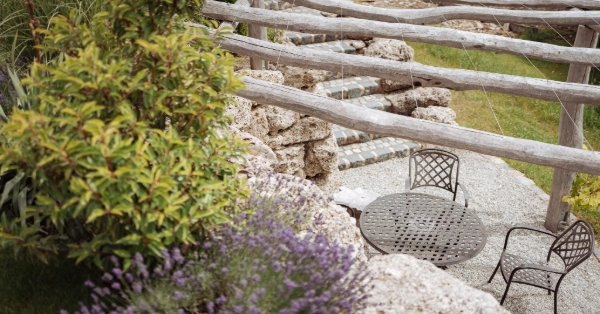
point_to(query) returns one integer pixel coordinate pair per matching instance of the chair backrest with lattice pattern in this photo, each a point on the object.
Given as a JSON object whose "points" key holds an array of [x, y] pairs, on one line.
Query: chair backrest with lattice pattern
{"points": [[574, 245], [434, 167]]}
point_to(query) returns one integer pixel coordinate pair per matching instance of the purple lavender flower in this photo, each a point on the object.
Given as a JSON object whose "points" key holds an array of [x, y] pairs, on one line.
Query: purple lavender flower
{"points": [[221, 300], [107, 277], [117, 272], [178, 295], [210, 307], [137, 286]]}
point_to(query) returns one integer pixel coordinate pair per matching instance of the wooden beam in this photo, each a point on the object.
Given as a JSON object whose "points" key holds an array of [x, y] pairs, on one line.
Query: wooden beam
{"points": [[441, 14], [257, 32], [570, 135], [234, 24], [422, 75], [584, 4], [388, 124], [426, 34]]}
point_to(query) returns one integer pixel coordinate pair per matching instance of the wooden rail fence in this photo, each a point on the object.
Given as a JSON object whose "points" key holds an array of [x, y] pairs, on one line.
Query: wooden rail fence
{"points": [[567, 157]]}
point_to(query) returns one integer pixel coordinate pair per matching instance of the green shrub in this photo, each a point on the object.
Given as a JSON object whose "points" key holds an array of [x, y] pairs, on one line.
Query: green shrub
{"points": [[125, 149], [585, 193]]}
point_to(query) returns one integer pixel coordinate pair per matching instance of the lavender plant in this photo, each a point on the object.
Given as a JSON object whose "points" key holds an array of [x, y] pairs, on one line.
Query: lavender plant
{"points": [[256, 265]]}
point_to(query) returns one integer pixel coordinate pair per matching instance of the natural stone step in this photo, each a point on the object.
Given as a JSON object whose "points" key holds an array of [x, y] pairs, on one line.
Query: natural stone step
{"points": [[333, 46], [344, 136], [305, 39], [362, 154], [349, 88], [377, 102]]}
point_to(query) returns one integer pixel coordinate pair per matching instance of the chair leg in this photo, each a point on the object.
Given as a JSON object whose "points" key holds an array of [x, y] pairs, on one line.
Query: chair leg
{"points": [[506, 292], [556, 301], [494, 274]]}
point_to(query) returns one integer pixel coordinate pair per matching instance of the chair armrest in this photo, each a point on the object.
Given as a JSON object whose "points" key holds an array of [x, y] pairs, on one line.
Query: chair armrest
{"points": [[538, 267], [526, 227], [465, 194], [407, 185]]}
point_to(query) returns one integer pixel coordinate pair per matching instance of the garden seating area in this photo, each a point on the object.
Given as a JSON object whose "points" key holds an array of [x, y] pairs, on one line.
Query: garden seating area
{"points": [[502, 198], [145, 167]]}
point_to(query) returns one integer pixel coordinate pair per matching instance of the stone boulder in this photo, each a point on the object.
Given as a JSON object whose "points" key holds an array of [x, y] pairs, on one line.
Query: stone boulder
{"points": [[304, 130], [407, 101], [321, 157], [359, 45], [323, 215], [304, 79], [393, 50], [240, 111], [265, 75], [280, 119], [389, 49], [291, 159], [259, 124], [388, 86], [406, 285], [329, 182], [436, 114], [261, 157]]}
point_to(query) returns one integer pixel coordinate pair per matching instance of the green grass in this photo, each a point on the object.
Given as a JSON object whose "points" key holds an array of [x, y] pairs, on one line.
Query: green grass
{"points": [[518, 116], [32, 288]]}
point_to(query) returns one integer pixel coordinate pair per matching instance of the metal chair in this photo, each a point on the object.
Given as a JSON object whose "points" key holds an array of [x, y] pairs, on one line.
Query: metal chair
{"points": [[573, 247], [435, 167]]}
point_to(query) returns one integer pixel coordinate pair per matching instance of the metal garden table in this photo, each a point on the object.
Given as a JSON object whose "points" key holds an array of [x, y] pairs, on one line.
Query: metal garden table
{"points": [[427, 227]]}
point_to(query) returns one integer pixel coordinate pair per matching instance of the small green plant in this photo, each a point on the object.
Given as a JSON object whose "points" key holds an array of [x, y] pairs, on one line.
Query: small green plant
{"points": [[125, 149], [274, 35], [585, 192]]}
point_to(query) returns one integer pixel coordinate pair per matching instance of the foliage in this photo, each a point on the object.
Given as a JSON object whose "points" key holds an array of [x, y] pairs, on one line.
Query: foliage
{"points": [[125, 148], [32, 287], [16, 37], [274, 35], [585, 192], [556, 35], [256, 265], [585, 199]]}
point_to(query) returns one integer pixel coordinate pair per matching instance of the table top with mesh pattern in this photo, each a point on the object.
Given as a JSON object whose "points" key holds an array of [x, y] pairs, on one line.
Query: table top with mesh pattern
{"points": [[427, 227]]}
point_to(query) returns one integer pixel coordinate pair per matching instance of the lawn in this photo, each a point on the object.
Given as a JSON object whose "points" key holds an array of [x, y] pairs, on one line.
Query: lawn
{"points": [[519, 117]]}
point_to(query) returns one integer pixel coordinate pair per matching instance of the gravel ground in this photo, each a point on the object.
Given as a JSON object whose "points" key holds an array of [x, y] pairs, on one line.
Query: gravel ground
{"points": [[501, 197]]}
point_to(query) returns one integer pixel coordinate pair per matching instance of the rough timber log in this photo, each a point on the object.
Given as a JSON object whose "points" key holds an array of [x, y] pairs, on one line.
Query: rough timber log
{"points": [[441, 14], [257, 32], [422, 75], [584, 4], [389, 124], [569, 134], [426, 34]]}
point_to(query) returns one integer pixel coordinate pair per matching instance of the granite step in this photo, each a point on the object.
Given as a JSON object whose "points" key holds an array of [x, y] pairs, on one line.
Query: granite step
{"points": [[333, 46], [298, 38], [349, 88], [345, 136], [378, 150]]}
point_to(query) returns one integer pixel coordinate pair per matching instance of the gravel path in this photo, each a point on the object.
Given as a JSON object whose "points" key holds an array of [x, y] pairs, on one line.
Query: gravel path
{"points": [[501, 197]]}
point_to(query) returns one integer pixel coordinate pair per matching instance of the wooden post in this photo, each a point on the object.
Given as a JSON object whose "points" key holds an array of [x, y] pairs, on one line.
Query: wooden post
{"points": [[569, 134], [257, 32]]}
